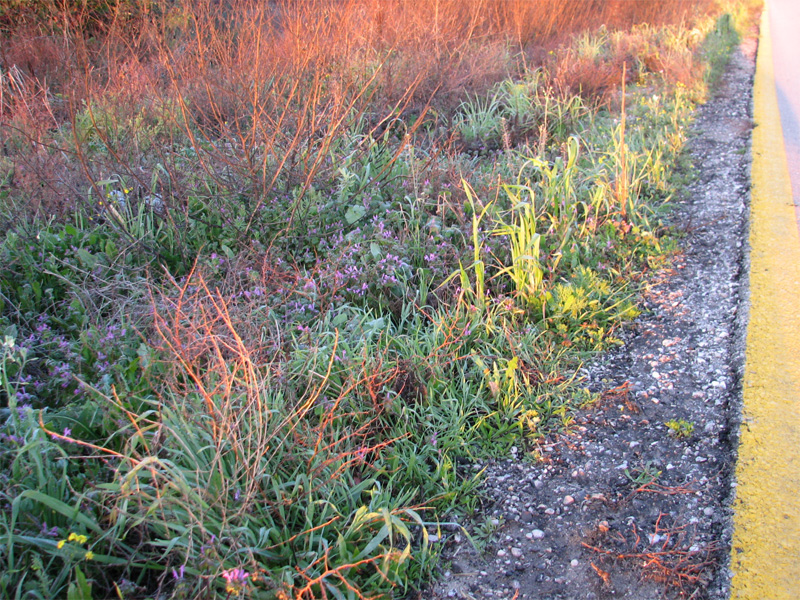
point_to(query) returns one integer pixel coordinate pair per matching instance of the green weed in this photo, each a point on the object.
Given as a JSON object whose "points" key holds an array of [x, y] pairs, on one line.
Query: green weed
{"points": [[644, 474], [680, 428]]}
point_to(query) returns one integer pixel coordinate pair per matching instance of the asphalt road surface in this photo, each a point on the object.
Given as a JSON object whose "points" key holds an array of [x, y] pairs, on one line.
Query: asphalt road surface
{"points": [[784, 18]]}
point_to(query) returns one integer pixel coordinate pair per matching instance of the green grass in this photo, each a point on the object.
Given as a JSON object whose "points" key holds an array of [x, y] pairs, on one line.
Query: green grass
{"points": [[215, 384]]}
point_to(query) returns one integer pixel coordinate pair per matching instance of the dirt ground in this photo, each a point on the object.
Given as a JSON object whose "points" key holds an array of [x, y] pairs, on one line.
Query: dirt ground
{"points": [[625, 505]]}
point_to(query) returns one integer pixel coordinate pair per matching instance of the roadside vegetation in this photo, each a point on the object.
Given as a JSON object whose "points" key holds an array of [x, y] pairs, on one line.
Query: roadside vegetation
{"points": [[275, 275]]}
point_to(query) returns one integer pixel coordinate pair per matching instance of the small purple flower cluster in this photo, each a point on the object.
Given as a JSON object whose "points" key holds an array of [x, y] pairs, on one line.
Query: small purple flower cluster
{"points": [[381, 231], [250, 294], [58, 356], [11, 438], [388, 268]]}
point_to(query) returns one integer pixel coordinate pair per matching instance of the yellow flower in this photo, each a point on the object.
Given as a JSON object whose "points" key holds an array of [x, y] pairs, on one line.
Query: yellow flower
{"points": [[89, 555], [74, 537], [61, 544]]}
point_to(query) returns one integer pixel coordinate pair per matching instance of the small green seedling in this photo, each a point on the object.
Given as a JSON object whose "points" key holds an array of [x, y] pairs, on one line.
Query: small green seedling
{"points": [[644, 474], [485, 532], [680, 428]]}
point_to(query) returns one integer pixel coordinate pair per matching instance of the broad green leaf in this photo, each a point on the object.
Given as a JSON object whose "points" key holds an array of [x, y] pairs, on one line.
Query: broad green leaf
{"points": [[71, 512], [354, 213]]}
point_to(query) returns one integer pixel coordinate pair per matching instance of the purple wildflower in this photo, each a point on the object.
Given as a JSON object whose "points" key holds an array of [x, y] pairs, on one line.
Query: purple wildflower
{"points": [[235, 579]]}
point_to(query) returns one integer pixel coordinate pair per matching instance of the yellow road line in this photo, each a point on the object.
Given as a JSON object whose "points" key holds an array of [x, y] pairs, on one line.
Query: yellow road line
{"points": [[765, 557]]}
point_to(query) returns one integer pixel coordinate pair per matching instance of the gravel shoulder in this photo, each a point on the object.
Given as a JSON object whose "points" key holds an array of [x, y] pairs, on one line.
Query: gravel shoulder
{"points": [[625, 505]]}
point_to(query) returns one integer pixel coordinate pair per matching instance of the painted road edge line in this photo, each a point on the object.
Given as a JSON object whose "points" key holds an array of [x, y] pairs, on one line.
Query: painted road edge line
{"points": [[765, 553]]}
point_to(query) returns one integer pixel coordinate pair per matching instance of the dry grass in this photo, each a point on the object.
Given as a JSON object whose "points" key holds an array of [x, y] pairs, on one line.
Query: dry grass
{"points": [[262, 92]]}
